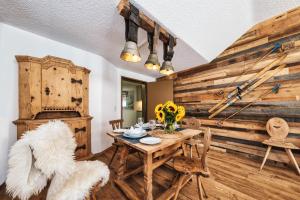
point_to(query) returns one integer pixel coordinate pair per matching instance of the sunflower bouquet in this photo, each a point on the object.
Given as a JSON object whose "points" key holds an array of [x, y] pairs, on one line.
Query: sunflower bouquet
{"points": [[169, 113]]}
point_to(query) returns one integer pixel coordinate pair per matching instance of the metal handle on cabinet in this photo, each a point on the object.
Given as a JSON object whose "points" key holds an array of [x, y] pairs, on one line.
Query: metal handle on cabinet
{"points": [[47, 91], [79, 147], [79, 81], [78, 100], [83, 129]]}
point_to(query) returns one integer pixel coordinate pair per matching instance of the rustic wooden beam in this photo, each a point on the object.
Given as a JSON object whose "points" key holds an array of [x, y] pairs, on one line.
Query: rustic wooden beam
{"points": [[145, 22]]}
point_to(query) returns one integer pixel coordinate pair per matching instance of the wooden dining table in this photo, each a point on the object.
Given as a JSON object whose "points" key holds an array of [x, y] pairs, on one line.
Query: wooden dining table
{"points": [[154, 157]]}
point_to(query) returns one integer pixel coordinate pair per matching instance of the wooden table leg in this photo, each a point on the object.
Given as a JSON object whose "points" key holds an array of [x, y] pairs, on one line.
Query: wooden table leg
{"points": [[148, 177], [183, 146], [265, 158], [200, 188], [292, 159], [122, 162]]}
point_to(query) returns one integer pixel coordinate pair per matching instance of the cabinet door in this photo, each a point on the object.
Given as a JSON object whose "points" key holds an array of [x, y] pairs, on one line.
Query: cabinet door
{"points": [[56, 88], [79, 128]]}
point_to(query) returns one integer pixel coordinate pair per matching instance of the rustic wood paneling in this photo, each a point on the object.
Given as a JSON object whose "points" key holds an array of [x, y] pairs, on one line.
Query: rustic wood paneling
{"points": [[197, 88]]}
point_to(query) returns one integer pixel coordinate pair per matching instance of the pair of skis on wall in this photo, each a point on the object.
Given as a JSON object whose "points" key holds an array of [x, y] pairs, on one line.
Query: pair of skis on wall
{"points": [[255, 81]]}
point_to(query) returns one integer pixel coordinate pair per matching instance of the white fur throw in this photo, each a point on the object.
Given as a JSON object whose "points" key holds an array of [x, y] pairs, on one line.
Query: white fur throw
{"points": [[77, 187], [23, 179], [48, 152]]}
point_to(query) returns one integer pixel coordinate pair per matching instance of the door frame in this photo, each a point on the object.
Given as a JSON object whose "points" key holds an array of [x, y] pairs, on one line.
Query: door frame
{"points": [[123, 78]]}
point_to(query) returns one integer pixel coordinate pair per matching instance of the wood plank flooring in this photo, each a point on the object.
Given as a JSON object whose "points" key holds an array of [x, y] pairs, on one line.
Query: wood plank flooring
{"points": [[233, 177]]}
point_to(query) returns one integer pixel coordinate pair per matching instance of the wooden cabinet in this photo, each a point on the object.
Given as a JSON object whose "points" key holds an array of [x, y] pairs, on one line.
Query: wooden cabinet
{"points": [[54, 88], [51, 84], [81, 127]]}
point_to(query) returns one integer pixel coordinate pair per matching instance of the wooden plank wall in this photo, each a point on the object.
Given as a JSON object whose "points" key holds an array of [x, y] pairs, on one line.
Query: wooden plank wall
{"points": [[197, 88]]}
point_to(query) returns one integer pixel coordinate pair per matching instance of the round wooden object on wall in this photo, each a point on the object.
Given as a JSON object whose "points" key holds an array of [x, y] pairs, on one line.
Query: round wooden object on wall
{"points": [[277, 128]]}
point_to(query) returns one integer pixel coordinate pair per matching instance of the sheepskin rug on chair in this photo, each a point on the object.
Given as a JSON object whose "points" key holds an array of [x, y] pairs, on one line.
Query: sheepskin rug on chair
{"points": [[47, 153]]}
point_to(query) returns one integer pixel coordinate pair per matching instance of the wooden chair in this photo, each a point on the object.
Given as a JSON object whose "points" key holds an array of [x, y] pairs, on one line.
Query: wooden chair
{"points": [[278, 129], [116, 124], [196, 142], [194, 166]]}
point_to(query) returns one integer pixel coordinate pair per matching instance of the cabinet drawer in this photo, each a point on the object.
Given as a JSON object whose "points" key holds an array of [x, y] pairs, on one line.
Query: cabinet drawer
{"points": [[80, 128]]}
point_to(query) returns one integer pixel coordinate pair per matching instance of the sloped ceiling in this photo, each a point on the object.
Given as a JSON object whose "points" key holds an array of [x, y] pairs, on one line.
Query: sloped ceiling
{"points": [[204, 28], [210, 26]]}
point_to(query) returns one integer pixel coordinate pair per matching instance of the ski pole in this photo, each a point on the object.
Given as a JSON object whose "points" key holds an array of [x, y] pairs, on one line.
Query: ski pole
{"points": [[274, 90], [265, 77], [246, 83]]}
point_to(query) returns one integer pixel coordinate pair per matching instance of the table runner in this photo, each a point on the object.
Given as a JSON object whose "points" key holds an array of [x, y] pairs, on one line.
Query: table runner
{"points": [[137, 140]]}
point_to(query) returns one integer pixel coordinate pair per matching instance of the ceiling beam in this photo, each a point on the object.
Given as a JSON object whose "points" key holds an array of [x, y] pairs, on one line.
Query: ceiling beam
{"points": [[145, 22]]}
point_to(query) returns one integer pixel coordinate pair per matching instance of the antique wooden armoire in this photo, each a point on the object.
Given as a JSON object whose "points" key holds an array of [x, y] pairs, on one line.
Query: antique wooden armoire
{"points": [[54, 88]]}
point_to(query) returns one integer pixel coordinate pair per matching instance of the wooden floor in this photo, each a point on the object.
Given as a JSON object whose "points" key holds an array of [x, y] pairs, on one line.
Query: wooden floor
{"points": [[233, 177]]}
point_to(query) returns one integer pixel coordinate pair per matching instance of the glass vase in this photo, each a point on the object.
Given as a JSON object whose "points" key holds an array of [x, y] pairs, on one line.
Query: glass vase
{"points": [[169, 128]]}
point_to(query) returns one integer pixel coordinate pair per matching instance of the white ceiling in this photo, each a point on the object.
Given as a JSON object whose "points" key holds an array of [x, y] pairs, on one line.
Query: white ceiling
{"points": [[210, 26], [204, 28]]}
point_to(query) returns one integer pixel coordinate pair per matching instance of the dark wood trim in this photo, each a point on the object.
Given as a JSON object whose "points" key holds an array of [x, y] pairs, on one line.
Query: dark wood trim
{"points": [[123, 78], [146, 23]]}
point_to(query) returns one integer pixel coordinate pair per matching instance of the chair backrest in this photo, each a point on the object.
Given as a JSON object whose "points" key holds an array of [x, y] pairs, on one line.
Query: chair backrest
{"points": [[206, 142], [118, 123], [277, 128]]}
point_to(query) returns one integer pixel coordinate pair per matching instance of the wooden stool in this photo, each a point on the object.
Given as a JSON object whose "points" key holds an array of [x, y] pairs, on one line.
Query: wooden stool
{"points": [[278, 129], [194, 166]]}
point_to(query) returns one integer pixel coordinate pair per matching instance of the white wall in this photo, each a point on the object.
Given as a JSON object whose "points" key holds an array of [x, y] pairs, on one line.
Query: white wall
{"points": [[105, 85]]}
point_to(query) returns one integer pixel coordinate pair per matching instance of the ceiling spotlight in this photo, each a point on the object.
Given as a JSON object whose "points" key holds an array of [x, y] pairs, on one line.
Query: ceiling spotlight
{"points": [[130, 52], [152, 62], [167, 67]]}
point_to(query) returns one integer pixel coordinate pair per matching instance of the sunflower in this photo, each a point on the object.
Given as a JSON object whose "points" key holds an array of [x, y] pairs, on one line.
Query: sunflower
{"points": [[167, 103], [160, 116], [158, 108], [178, 117], [181, 111], [171, 107]]}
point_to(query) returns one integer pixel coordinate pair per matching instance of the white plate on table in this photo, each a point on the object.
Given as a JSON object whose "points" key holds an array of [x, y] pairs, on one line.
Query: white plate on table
{"points": [[150, 140], [120, 130], [134, 136]]}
